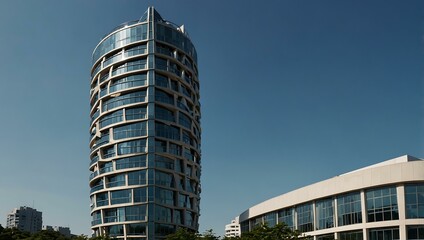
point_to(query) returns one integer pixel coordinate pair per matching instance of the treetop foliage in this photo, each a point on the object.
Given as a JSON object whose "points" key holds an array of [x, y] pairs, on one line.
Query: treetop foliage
{"points": [[264, 232], [16, 234]]}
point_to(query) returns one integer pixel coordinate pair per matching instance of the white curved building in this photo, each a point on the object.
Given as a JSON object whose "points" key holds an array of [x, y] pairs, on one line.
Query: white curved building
{"points": [[384, 201]]}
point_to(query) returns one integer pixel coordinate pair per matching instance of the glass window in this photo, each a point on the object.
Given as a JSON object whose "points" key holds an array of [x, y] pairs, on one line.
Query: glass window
{"points": [[188, 153], [184, 120], [111, 118], [256, 222], [163, 214], [415, 232], [325, 213], [163, 229], [104, 139], [178, 217], [305, 221], [104, 76], [382, 204], [136, 229], [102, 199], [108, 152], [184, 201], [164, 162], [176, 38], [286, 216], [114, 215], [384, 234], [130, 130], [174, 85], [190, 218], [187, 138], [163, 97], [137, 178], [96, 70], [164, 196], [167, 131], [128, 82], [115, 230], [134, 51], [136, 146], [190, 185], [162, 49], [161, 80], [103, 91], [161, 63], [349, 209], [97, 218], [164, 179], [160, 146], [244, 226], [354, 235], [135, 213], [94, 159], [135, 97], [98, 185], [164, 114], [270, 219], [96, 113], [186, 91], [136, 113], [121, 196], [175, 149], [111, 59], [140, 195], [414, 200], [119, 39], [130, 66], [131, 162], [326, 237], [116, 181]]}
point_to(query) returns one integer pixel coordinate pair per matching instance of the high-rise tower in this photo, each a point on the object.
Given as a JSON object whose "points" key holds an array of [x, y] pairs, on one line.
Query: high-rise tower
{"points": [[145, 131], [25, 219]]}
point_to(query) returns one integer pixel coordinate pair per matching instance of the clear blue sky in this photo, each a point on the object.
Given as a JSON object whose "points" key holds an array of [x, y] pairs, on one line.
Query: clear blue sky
{"points": [[292, 92]]}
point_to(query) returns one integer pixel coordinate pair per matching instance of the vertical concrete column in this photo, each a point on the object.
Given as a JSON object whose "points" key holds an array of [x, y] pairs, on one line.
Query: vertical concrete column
{"points": [[314, 217], [364, 214], [295, 218], [400, 192], [335, 213]]}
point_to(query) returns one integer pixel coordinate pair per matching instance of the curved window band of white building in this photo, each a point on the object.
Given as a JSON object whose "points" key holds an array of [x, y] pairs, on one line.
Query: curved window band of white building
{"points": [[145, 131], [384, 201]]}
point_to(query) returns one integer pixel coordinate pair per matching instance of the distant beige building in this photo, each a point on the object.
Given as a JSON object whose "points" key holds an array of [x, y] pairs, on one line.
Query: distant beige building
{"points": [[63, 230], [25, 219]]}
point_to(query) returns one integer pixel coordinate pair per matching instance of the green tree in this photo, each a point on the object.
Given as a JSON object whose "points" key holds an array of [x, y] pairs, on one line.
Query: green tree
{"points": [[80, 237], [183, 234], [13, 233], [48, 235], [278, 232], [209, 235], [101, 238]]}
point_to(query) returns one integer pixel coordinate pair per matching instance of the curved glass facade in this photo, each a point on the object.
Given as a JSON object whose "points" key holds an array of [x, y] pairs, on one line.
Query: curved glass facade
{"points": [[144, 131]]}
